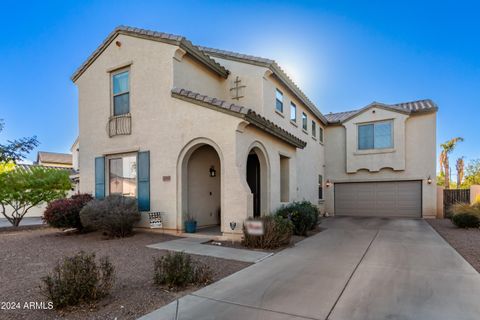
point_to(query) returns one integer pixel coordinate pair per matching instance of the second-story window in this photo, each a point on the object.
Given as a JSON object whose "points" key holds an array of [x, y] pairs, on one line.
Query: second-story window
{"points": [[279, 101], [378, 135], [293, 112], [320, 134], [314, 129], [121, 93], [304, 121]]}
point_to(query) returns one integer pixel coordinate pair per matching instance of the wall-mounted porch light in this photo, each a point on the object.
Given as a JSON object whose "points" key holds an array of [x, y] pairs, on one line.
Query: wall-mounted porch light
{"points": [[328, 183], [429, 180], [213, 172]]}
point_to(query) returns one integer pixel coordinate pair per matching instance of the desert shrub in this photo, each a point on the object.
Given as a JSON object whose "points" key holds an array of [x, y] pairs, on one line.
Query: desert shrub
{"points": [[115, 215], [65, 213], [304, 216], [466, 220], [277, 232], [178, 269], [78, 279], [465, 215]]}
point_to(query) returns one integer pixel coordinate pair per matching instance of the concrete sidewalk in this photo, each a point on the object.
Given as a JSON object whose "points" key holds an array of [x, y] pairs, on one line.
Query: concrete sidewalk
{"points": [[356, 269], [196, 246], [27, 221]]}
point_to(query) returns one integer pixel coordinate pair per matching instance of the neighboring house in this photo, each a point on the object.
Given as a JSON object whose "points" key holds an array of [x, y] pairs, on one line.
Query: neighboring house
{"points": [[53, 159], [75, 176], [224, 136]]}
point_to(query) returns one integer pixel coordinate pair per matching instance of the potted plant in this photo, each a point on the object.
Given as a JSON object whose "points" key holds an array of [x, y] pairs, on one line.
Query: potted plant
{"points": [[190, 224]]}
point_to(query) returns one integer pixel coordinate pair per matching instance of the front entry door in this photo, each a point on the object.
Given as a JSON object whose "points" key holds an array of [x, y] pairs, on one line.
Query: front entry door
{"points": [[253, 180]]}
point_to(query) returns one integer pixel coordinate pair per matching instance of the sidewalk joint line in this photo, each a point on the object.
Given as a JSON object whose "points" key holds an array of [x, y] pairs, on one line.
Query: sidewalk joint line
{"points": [[351, 275], [252, 307]]}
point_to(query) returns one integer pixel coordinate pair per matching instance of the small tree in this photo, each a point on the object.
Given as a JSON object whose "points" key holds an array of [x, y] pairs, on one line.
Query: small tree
{"points": [[447, 147], [15, 150], [472, 173], [22, 189]]}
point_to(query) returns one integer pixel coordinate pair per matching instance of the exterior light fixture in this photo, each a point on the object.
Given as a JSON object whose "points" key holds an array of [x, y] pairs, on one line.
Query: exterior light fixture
{"points": [[328, 183], [213, 172], [429, 180]]}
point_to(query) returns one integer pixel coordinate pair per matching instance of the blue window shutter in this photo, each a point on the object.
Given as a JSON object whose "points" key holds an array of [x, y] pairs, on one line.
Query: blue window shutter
{"points": [[100, 177], [143, 176]]}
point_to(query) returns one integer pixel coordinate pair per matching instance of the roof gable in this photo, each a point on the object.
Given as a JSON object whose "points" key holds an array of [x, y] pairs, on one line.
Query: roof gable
{"points": [[274, 67], [53, 157], [176, 40], [410, 108]]}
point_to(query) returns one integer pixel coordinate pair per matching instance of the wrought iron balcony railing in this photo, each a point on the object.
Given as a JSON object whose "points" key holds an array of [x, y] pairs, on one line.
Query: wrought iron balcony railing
{"points": [[120, 125]]}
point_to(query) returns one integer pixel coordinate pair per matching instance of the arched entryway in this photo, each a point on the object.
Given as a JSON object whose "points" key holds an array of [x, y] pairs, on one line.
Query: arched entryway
{"points": [[254, 182], [200, 187], [257, 179]]}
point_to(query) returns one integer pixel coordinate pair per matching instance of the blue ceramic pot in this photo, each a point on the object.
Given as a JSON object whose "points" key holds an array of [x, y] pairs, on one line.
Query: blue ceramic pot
{"points": [[190, 226]]}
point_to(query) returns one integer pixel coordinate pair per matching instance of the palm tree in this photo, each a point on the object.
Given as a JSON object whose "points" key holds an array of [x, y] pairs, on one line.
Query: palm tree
{"points": [[447, 147], [460, 171]]}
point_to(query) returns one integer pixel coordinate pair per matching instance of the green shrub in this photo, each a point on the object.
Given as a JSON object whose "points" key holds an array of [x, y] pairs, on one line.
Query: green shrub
{"points": [[465, 215], [277, 232], [115, 215], [65, 213], [304, 216], [78, 279], [466, 220], [177, 270]]}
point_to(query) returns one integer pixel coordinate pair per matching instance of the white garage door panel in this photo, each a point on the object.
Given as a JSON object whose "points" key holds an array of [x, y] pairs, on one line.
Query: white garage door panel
{"points": [[384, 199]]}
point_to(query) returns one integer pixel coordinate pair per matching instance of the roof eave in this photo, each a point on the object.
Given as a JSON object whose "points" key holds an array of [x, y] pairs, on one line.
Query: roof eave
{"points": [[280, 74], [183, 44], [249, 116]]}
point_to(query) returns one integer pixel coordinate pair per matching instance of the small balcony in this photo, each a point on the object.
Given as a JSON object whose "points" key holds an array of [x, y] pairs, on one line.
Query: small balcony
{"points": [[119, 125]]}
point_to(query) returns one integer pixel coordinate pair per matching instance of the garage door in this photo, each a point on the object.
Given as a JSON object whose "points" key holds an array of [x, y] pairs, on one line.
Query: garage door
{"points": [[379, 199]]}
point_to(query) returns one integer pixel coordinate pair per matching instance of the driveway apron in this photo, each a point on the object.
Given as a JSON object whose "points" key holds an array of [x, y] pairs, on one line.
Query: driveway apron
{"points": [[358, 268]]}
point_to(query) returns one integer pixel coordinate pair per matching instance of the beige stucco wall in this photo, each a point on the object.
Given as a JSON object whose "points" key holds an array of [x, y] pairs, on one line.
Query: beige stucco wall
{"points": [[475, 193], [440, 213], [188, 73], [169, 128], [375, 160], [75, 149], [420, 151]]}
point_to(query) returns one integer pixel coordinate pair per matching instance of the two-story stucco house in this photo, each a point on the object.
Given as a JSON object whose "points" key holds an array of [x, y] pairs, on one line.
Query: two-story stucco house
{"points": [[223, 136]]}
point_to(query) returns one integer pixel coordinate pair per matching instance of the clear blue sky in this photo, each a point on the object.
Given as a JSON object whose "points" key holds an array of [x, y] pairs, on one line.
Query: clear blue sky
{"points": [[343, 54]]}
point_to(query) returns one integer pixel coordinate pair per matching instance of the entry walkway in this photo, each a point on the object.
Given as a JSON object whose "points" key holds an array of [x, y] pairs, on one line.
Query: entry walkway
{"points": [[357, 269], [197, 246]]}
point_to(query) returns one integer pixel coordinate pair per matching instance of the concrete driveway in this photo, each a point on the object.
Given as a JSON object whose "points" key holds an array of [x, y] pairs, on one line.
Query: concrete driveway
{"points": [[359, 268]]}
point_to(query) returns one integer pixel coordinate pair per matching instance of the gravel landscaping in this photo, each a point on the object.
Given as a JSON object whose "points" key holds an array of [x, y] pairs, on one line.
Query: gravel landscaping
{"points": [[28, 255], [465, 241], [238, 244]]}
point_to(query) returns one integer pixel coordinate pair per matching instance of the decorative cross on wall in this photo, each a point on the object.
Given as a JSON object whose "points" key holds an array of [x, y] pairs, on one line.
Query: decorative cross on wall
{"points": [[237, 89]]}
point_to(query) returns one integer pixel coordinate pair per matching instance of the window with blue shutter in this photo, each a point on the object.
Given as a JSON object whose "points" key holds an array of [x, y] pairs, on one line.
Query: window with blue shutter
{"points": [[100, 177], [143, 176]]}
